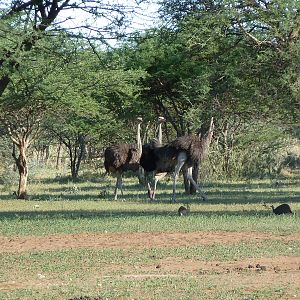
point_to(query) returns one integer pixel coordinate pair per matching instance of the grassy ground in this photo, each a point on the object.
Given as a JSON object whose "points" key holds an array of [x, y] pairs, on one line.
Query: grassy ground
{"points": [[58, 206]]}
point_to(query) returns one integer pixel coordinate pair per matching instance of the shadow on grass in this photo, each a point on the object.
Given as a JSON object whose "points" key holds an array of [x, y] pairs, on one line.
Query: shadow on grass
{"points": [[217, 192], [116, 214], [8, 197], [164, 195], [263, 183]]}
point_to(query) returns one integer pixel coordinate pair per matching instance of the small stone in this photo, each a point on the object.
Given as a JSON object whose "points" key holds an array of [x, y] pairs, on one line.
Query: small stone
{"points": [[263, 268]]}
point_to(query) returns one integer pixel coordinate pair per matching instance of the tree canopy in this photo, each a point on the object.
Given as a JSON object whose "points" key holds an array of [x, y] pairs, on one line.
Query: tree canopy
{"points": [[235, 60]]}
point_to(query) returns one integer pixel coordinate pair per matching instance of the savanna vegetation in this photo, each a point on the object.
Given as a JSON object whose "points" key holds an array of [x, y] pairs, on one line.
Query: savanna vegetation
{"points": [[75, 75]]}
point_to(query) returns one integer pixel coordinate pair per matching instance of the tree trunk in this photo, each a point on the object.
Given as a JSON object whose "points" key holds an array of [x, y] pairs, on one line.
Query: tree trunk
{"points": [[47, 154], [76, 155], [21, 163], [81, 153], [72, 160], [58, 155]]}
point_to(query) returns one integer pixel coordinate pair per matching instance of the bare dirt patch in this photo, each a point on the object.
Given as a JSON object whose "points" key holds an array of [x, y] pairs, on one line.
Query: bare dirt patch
{"points": [[131, 240], [248, 274]]}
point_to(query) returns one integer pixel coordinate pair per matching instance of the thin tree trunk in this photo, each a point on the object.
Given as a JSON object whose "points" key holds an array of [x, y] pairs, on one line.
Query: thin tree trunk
{"points": [[21, 163], [81, 152], [72, 160], [76, 154], [58, 155], [47, 154], [73, 163]]}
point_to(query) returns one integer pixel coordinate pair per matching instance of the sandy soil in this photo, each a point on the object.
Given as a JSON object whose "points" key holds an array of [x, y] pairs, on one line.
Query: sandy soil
{"points": [[248, 274], [131, 240]]}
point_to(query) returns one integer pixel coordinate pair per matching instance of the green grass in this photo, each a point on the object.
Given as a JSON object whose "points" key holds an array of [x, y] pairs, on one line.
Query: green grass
{"points": [[87, 269], [21, 218], [44, 261], [170, 288], [59, 206]]}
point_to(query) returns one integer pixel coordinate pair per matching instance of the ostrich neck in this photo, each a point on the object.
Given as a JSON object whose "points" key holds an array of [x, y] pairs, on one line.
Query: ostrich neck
{"points": [[159, 134], [207, 140], [139, 141]]}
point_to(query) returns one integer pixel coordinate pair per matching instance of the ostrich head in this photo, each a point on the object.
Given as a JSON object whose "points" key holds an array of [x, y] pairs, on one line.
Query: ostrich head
{"points": [[161, 120]]}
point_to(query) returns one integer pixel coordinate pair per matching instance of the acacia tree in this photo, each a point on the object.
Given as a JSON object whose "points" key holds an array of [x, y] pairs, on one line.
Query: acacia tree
{"points": [[22, 125], [24, 23], [229, 59], [247, 46], [97, 95], [27, 100]]}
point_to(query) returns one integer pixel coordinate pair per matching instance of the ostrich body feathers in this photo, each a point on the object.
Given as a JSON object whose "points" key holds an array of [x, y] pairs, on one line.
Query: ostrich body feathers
{"points": [[164, 158], [122, 157]]}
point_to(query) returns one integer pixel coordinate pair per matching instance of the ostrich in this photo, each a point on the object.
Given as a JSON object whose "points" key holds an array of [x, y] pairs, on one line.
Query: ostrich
{"points": [[282, 209], [146, 160], [183, 152], [183, 211], [123, 157]]}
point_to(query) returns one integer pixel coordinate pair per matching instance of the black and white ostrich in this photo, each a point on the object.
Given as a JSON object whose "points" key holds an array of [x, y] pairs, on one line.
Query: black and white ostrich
{"points": [[123, 157], [147, 161], [183, 152]]}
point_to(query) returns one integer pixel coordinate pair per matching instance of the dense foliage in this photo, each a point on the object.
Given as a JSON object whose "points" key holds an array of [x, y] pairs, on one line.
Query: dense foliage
{"points": [[235, 60]]}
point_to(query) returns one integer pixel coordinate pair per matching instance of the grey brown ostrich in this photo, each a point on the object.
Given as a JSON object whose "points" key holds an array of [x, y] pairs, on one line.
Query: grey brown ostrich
{"points": [[282, 209], [123, 157], [183, 152]]}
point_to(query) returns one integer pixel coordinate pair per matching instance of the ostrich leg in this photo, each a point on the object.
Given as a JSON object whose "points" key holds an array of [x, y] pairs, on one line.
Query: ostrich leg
{"points": [[157, 177], [119, 185], [191, 179], [181, 159]]}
